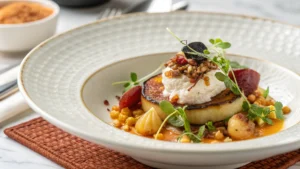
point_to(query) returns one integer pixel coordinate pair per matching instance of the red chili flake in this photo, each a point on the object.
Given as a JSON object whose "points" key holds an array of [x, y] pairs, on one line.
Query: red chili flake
{"points": [[118, 97], [181, 60], [106, 103]]}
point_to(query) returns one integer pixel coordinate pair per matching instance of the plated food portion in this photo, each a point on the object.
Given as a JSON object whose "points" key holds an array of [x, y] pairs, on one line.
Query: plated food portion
{"points": [[199, 96]]}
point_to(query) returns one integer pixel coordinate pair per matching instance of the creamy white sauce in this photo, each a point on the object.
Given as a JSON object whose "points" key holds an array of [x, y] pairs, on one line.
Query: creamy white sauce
{"points": [[200, 93]]}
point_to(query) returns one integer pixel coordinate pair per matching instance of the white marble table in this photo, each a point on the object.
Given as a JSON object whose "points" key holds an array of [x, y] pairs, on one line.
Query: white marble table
{"points": [[16, 156]]}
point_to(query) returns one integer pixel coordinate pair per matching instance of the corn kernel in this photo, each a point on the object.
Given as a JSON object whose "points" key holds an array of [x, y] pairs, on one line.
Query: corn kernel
{"points": [[159, 136], [130, 121], [122, 118], [114, 114], [219, 135], [286, 110], [227, 139], [259, 122], [125, 128], [117, 123], [116, 108], [138, 112], [185, 139], [272, 114], [126, 111]]}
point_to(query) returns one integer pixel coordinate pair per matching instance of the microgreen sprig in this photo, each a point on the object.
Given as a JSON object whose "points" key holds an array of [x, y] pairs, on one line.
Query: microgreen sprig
{"points": [[177, 117], [236, 65], [129, 84], [134, 81], [201, 131], [278, 110], [210, 126], [266, 93], [255, 111], [194, 137]]}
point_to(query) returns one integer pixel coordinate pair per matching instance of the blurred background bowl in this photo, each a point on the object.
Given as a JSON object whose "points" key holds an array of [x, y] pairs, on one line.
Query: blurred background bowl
{"points": [[25, 36], [79, 3]]}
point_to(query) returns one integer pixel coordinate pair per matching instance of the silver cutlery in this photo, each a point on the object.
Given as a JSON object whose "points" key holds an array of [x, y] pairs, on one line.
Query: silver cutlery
{"points": [[140, 7], [180, 5], [110, 12], [8, 82], [8, 89]]}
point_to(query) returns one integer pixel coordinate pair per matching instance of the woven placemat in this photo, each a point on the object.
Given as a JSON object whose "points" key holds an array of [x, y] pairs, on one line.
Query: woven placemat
{"points": [[72, 152]]}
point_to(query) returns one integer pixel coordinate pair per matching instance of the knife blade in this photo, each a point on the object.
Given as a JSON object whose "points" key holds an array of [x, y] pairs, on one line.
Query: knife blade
{"points": [[8, 82]]}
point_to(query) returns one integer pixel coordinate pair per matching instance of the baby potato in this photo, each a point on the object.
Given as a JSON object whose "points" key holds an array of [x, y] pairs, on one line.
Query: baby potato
{"points": [[240, 127]]}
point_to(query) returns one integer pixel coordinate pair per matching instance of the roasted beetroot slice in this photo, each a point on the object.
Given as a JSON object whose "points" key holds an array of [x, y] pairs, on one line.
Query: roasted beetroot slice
{"points": [[247, 80], [131, 97]]}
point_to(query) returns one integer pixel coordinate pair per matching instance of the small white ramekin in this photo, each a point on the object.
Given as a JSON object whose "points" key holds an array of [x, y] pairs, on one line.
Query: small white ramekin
{"points": [[23, 37]]}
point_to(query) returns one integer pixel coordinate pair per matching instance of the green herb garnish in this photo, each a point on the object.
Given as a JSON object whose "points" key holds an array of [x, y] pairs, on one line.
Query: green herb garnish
{"points": [[278, 110], [219, 43], [255, 111], [210, 126], [134, 81], [177, 117], [166, 107], [201, 131], [175, 120], [266, 92], [128, 85], [236, 65], [228, 83], [195, 138]]}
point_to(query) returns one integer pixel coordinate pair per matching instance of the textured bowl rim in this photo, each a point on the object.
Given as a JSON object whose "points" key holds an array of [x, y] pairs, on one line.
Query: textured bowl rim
{"points": [[190, 148], [51, 4]]}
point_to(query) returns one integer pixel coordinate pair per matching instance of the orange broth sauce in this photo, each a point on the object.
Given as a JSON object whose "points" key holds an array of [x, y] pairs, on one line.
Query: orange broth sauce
{"points": [[172, 135]]}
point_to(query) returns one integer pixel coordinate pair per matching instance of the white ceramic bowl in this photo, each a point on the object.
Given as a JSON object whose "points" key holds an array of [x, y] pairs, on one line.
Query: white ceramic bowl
{"points": [[23, 37], [68, 85]]}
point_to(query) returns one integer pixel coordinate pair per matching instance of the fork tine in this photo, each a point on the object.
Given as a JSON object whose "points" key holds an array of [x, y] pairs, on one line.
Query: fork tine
{"points": [[104, 14], [110, 12], [119, 12]]}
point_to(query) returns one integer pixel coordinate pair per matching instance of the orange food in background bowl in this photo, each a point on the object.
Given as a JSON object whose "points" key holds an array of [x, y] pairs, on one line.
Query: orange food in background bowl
{"points": [[22, 12]]}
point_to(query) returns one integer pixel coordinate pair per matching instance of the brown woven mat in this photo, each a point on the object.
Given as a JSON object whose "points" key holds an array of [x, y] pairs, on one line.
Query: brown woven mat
{"points": [[74, 153]]}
